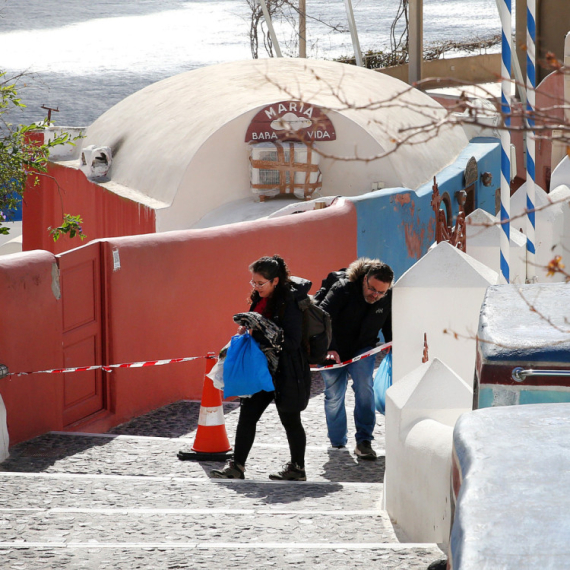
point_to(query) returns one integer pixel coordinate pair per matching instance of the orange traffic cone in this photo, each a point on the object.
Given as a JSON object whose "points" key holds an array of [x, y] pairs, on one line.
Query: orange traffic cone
{"points": [[211, 441]]}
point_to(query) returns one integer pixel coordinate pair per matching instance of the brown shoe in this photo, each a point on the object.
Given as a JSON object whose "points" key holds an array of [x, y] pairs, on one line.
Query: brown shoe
{"points": [[232, 470], [290, 472]]}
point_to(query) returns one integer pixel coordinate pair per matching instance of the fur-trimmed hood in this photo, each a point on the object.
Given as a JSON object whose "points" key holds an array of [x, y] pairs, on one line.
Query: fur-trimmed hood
{"points": [[358, 269]]}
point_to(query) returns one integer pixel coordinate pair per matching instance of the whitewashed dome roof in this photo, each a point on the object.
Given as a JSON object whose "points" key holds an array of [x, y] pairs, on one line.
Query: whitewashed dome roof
{"points": [[155, 133]]}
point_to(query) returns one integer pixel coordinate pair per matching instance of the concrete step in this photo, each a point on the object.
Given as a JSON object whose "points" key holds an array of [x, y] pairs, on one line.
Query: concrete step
{"points": [[181, 420], [190, 525], [66, 491], [195, 556], [124, 501], [144, 456]]}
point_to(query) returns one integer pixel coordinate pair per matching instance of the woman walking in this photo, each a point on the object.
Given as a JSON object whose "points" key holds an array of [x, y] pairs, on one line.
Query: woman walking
{"points": [[276, 298]]}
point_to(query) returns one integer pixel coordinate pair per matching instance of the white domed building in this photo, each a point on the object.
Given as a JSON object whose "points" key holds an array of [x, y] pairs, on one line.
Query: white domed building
{"points": [[194, 148]]}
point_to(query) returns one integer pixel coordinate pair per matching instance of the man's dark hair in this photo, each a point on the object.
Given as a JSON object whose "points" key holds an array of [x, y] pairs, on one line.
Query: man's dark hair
{"points": [[381, 271]]}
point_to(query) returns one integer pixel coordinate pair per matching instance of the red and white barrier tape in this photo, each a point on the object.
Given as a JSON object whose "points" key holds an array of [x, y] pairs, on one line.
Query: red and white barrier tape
{"points": [[111, 367], [355, 359]]}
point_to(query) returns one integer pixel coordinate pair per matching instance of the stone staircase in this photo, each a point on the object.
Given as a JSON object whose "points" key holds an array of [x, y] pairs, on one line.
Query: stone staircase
{"points": [[123, 501]]}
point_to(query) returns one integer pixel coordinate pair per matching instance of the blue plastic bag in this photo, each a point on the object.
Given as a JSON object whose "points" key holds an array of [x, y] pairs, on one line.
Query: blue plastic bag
{"points": [[382, 381], [245, 368]]}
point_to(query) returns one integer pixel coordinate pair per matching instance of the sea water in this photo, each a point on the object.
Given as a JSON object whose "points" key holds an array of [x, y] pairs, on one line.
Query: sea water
{"points": [[83, 57]]}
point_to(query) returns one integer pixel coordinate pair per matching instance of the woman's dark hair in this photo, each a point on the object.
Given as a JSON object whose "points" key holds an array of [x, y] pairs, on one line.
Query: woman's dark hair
{"points": [[270, 268]]}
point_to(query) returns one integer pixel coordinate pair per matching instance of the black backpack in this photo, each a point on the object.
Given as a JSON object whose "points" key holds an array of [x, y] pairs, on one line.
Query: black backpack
{"points": [[327, 283], [317, 328], [317, 331]]}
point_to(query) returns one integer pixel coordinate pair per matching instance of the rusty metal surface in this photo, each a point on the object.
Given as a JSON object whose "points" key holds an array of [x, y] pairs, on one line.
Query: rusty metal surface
{"points": [[425, 356], [456, 235]]}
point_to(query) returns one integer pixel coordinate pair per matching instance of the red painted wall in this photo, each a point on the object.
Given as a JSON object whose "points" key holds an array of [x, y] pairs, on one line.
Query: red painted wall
{"points": [[550, 97], [104, 214], [549, 102], [175, 293], [173, 296], [30, 339]]}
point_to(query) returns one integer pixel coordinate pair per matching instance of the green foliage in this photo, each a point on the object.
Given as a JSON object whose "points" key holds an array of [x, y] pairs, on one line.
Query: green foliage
{"points": [[20, 155], [71, 225]]}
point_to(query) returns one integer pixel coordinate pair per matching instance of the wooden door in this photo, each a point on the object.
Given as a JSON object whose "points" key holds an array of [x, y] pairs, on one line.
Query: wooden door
{"points": [[80, 279]]}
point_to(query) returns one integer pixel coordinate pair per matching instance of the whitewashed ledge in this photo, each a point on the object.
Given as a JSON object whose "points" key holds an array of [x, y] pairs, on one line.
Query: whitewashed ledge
{"points": [[513, 508]]}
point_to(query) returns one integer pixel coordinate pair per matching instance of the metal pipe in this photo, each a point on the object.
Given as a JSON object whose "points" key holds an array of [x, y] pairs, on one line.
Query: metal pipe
{"points": [[519, 81], [270, 26], [416, 41], [302, 29], [520, 374], [567, 78], [353, 32]]}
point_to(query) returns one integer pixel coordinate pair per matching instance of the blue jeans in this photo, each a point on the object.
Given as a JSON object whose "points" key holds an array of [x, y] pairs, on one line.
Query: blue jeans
{"points": [[336, 382]]}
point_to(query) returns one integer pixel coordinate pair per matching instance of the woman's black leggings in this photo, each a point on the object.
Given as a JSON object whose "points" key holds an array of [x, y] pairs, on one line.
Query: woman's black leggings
{"points": [[250, 411]]}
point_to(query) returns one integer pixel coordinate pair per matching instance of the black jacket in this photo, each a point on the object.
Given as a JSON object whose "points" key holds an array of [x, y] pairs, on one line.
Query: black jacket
{"points": [[293, 377], [356, 323]]}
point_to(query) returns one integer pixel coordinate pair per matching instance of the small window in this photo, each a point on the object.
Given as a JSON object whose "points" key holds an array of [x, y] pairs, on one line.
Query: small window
{"points": [[284, 168], [272, 177]]}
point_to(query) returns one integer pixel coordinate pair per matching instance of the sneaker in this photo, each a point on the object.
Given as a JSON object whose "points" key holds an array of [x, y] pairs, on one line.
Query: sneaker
{"points": [[232, 470], [337, 447], [290, 472], [364, 450]]}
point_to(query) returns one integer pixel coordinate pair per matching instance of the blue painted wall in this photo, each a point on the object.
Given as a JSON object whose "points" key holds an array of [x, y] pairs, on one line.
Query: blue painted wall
{"points": [[13, 215], [397, 225], [520, 396]]}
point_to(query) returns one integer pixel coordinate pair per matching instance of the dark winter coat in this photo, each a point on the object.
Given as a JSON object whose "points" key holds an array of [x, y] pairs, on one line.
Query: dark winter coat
{"points": [[356, 323], [293, 377]]}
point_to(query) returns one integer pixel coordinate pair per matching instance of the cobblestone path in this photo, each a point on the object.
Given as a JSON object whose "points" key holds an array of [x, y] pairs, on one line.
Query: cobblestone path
{"points": [[123, 500]]}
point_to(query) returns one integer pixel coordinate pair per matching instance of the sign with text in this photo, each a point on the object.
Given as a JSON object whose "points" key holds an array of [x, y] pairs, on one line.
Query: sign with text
{"points": [[290, 121]]}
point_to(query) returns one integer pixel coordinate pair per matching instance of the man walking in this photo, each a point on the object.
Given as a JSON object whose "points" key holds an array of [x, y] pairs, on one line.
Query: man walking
{"points": [[360, 306]]}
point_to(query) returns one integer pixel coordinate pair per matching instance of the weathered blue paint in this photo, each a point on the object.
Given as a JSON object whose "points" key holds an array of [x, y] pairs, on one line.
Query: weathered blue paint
{"points": [[383, 218], [486, 398], [523, 326], [544, 396], [397, 225], [521, 397]]}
